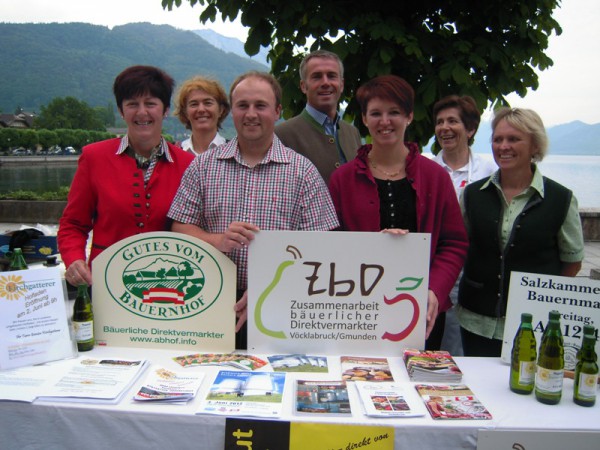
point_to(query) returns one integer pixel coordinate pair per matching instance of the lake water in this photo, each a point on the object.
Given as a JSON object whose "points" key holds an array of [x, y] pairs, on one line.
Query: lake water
{"points": [[579, 173]]}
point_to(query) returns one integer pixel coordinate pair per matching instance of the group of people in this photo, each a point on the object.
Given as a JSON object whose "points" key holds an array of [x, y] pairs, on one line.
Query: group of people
{"points": [[312, 172]]}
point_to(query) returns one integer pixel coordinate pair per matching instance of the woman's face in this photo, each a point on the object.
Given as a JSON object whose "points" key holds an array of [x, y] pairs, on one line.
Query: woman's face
{"points": [[386, 121], [203, 111], [512, 148], [450, 131], [144, 116]]}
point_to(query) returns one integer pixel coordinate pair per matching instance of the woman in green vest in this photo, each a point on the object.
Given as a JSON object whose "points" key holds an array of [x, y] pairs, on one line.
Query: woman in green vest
{"points": [[517, 220]]}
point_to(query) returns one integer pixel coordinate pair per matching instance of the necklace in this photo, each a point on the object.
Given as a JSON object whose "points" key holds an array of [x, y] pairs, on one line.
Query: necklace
{"points": [[388, 174]]}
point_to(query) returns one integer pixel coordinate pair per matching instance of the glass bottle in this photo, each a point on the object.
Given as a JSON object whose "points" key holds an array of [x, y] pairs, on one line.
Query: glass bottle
{"points": [[83, 319], [17, 261], [554, 314], [550, 365], [524, 354], [586, 373], [587, 329]]}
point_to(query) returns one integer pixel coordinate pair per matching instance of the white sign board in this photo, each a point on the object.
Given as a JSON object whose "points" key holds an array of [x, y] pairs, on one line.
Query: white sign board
{"points": [[536, 440], [164, 290], [576, 298], [34, 326], [337, 292]]}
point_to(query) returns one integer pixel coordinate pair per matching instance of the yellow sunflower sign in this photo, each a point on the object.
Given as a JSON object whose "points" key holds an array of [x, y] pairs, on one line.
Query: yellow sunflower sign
{"points": [[34, 325]]}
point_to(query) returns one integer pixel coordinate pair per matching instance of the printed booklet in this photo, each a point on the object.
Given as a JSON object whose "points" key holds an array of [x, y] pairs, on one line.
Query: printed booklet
{"points": [[236, 360], [167, 386], [431, 366], [389, 399], [298, 363], [452, 402], [365, 368], [329, 398], [245, 393]]}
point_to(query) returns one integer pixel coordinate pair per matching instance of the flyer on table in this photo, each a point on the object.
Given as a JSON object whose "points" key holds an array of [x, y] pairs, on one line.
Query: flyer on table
{"points": [[363, 293], [34, 325]]}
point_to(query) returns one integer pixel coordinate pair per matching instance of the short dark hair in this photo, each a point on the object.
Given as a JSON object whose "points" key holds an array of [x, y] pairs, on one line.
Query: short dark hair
{"points": [[467, 109], [139, 80], [387, 87], [265, 76]]}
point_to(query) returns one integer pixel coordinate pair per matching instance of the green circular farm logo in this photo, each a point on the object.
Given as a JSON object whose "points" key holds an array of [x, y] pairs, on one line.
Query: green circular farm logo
{"points": [[164, 279]]}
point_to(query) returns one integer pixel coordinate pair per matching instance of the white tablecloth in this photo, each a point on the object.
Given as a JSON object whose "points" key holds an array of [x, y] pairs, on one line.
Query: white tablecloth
{"points": [[133, 425]]}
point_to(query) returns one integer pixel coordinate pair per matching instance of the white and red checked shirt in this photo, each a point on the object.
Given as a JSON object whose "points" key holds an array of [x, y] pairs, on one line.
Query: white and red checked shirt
{"points": [[282, 192]]}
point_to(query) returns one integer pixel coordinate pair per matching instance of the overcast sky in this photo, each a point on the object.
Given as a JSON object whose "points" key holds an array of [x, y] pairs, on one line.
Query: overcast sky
{"points": [[568, 91]]}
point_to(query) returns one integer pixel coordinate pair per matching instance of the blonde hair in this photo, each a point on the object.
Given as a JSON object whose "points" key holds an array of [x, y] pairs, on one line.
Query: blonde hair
{"points": [[211, 87], [527, 121]]}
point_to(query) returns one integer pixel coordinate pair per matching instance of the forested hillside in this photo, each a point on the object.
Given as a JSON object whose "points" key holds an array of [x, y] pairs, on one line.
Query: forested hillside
{"points": [[44, 61]]}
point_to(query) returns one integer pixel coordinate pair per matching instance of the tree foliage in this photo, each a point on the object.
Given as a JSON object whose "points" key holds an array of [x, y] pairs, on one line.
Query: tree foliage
{"points": [[68, 113], [467, 47]]}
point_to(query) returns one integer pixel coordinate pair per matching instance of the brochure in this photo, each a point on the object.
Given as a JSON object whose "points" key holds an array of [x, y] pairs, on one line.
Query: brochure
{"points": [[246, 393], [365, 368], [322, 397], [298, 363], [431, 366], [167, 386], [389, 399], [236, 360], [34, 325], [452, 402], [93, 380]]}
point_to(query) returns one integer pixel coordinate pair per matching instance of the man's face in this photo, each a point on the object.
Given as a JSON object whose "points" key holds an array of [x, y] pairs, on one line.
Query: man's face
{"points": [[254, 112], [323, 85]]}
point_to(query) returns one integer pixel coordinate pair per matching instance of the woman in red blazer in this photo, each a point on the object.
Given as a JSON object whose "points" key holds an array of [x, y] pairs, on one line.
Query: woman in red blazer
{"points": [[123, 186]]}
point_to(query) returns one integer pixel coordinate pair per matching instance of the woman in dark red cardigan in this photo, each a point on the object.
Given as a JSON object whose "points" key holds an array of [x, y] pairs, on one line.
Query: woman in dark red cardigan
{"points": [[123, 186], [390, 186]]}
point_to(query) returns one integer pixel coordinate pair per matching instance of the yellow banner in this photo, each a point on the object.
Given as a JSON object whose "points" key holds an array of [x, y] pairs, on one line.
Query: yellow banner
{"points": [[329, 436]]}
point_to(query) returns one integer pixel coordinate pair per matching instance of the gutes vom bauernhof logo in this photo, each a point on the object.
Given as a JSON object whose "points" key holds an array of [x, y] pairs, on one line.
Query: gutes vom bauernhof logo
{"points": [[163, 279]]}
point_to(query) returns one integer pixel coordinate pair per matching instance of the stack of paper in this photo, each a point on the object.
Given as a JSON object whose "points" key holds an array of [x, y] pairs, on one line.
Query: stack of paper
{"points": [[452, 402], [328, 398], [389, 399], [431, 366], [236, 360], [167, 386], [92, 380], [245, 393]]}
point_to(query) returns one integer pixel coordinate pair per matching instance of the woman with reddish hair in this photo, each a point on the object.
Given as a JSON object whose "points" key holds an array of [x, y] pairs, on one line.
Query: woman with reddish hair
{"points": [[391, 187]]}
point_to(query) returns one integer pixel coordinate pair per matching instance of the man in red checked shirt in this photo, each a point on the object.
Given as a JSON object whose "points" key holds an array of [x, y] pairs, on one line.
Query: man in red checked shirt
{"points": [[253, 182]]}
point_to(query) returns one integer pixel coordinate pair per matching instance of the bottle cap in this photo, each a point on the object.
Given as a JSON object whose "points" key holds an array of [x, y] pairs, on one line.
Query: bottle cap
{"points": [[554, 315], [526, 317]]}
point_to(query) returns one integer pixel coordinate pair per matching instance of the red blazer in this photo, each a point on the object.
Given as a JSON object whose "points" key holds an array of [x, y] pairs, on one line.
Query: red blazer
{"points": [[108, 197]]}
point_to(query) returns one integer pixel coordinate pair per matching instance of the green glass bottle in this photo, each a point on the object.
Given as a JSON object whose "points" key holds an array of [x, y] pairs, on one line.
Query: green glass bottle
{"points": [[587, 329], [524, 354], [17, 261], [554, 314], [586, 373], [83, 319], [550, 365]]}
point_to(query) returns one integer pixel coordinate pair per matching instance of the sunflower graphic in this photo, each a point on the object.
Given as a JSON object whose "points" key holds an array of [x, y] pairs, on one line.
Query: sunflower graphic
{"points": [[11, 287]]}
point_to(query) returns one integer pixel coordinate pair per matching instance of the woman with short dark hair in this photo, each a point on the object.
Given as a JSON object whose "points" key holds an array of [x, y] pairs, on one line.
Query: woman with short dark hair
{"points": [[123, 186]]}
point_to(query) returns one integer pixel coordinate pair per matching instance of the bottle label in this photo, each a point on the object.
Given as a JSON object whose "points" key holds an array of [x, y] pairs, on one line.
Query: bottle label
{"points": [[587, 386], [548, 381], [526, 372], [84, 331]]}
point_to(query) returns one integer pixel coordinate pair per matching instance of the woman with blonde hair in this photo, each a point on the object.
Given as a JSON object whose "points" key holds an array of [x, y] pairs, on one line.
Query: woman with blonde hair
{"points": [[517, 220], [202, 107]]}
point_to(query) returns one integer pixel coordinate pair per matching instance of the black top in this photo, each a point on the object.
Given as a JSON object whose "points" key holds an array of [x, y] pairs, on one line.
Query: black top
{"points": [[397, 204]]}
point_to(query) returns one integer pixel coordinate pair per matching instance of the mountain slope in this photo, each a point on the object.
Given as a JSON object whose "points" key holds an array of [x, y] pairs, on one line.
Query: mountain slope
{"points": [[82, 60]]}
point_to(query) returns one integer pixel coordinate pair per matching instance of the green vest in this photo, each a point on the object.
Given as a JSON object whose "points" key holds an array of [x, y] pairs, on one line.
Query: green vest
{"points": [[531, 247]]}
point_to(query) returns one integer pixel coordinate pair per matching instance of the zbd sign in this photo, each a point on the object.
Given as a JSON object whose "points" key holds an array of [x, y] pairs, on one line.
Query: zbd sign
{"points": [[164, 290], [337, 292]]}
